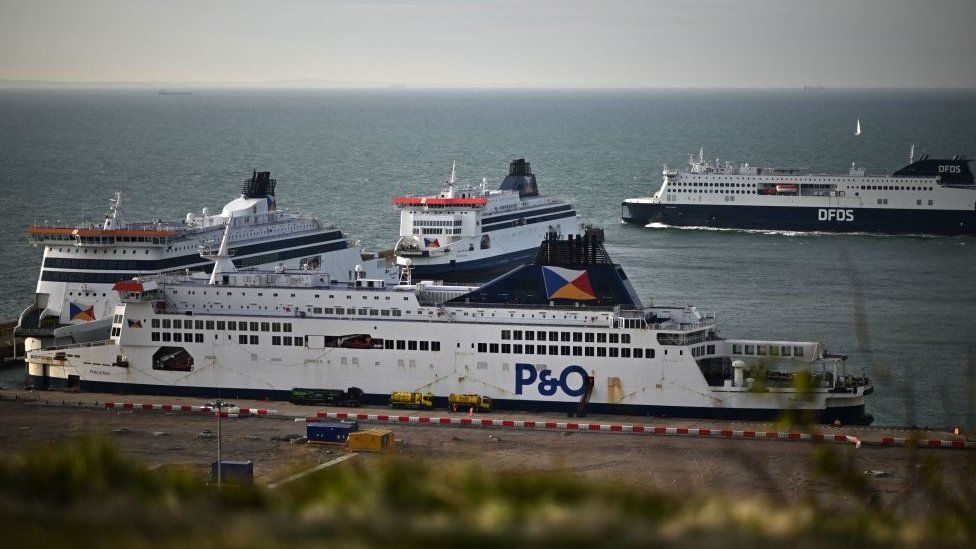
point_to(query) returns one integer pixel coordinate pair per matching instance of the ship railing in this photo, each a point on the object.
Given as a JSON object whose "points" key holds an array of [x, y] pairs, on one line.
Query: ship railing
{"points": [[523, 306], [155, 226], [828, 373], [76, 345], [706, 322]]}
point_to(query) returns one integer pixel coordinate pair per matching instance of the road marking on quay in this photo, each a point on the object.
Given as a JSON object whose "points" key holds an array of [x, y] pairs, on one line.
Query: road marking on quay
{"points": [[307, 472]]}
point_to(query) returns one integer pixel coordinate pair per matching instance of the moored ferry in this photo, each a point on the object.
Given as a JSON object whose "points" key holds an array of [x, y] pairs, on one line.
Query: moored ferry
{"points": [[566, 333], [82, 263], [469, 233], [927, 196]]}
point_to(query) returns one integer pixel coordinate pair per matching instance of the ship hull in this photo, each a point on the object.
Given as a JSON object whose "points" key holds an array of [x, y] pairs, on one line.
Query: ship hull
{"points": [[847, 414], [803, 218]]}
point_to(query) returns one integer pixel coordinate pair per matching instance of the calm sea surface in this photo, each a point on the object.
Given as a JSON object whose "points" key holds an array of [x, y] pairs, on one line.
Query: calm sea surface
{"points": [[904, 308]]}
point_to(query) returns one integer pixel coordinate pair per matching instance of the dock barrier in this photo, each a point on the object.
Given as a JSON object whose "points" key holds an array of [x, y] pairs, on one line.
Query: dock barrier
{"points": [[589, 427], [228, 412]]}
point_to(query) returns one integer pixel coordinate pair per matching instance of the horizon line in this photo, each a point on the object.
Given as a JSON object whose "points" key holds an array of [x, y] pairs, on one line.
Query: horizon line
{"points": [[312, 85]]}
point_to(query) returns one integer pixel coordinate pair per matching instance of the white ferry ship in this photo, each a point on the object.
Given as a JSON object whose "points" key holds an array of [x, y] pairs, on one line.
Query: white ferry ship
{"points": [[81, 263], [928, 196], [557, 334], [469, 233]]}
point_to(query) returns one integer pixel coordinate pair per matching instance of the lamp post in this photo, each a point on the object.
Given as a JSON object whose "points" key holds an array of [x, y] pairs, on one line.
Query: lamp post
{"points": [[220, 463]]}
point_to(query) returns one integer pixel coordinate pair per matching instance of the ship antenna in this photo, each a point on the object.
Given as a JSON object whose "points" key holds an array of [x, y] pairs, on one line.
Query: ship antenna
{"points": [[911, 154], [701, 154], [451, 181], [222, 261], [115, 219]]}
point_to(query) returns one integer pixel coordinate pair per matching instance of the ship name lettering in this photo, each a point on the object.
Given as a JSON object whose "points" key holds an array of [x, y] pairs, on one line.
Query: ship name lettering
{"points": [[547, 383], [835, 214], [949, 169]]}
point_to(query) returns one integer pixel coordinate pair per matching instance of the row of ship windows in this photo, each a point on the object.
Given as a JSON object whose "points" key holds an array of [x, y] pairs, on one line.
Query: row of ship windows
{"points": [[711, 186], [737, 185], [436, 223], [86, 250], [219, 325], [437, 231], [352, 311], [576, 337], [565, 350], [775, 178], [261, 294], [406, 345], [296, 341], [890, 188], [105, 239], [766, 350], [242, 339], [179, 337], [714, 191], [490, 348]]}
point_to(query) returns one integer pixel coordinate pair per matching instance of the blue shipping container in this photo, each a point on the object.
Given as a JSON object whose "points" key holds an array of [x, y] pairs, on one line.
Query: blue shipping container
{"points": [[237, 472], [329, 432]]}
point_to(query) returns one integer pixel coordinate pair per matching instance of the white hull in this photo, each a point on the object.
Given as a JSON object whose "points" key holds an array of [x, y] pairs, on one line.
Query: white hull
{"points": [[670, 380]]}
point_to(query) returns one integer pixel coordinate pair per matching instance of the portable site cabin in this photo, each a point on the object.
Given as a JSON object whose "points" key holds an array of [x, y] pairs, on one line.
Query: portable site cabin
{"points": [[372, 440]]}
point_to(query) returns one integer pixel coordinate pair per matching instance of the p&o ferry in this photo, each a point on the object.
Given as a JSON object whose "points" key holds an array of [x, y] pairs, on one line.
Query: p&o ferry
{"points": [[470, 234], [928, 196], [81, 264], [564, 333]]}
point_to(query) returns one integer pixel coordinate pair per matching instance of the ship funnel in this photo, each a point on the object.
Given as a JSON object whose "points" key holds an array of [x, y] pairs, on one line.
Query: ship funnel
{"points": [[260, 185], [521, 179]]}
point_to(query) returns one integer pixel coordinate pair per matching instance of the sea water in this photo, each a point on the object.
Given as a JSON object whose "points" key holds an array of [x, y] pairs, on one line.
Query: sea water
{"points": [[901, 307]]}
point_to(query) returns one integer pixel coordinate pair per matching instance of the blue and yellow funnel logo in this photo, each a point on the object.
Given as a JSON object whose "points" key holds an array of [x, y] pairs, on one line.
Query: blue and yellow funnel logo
{"points": [[567, 284], [81, 312]]}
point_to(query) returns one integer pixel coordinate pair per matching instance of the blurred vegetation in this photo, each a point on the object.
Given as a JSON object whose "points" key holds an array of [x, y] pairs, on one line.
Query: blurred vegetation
{"points": [[85, 493]]}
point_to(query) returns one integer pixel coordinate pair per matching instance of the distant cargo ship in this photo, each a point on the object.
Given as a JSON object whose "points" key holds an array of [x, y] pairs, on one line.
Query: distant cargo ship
{"points": [[175, 92], [928, 196]]}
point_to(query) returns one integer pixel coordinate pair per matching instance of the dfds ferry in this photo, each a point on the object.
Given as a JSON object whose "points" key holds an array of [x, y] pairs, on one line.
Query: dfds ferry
{"points": [[564, 332], [928, 196], [469, 233], [82, 263]]}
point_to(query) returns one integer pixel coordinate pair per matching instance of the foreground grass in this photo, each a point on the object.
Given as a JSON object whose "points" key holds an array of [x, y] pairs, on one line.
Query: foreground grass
{"points": [[85, 493]]}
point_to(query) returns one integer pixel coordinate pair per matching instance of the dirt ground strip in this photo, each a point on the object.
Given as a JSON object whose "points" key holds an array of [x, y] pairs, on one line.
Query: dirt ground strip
{"points": [[783, 470], [286, 409]]}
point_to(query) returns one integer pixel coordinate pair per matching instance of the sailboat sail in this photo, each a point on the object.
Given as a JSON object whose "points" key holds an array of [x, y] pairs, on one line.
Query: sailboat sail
{"points": [[857, 131]]}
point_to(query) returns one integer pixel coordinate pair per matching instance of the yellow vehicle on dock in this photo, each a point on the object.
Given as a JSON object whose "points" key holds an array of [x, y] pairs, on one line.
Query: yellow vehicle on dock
{"points": [[418, 401], [463, 403]]}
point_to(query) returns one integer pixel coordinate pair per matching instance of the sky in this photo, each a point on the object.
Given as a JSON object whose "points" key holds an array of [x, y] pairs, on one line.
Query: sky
{"points": [[492, 43]]}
